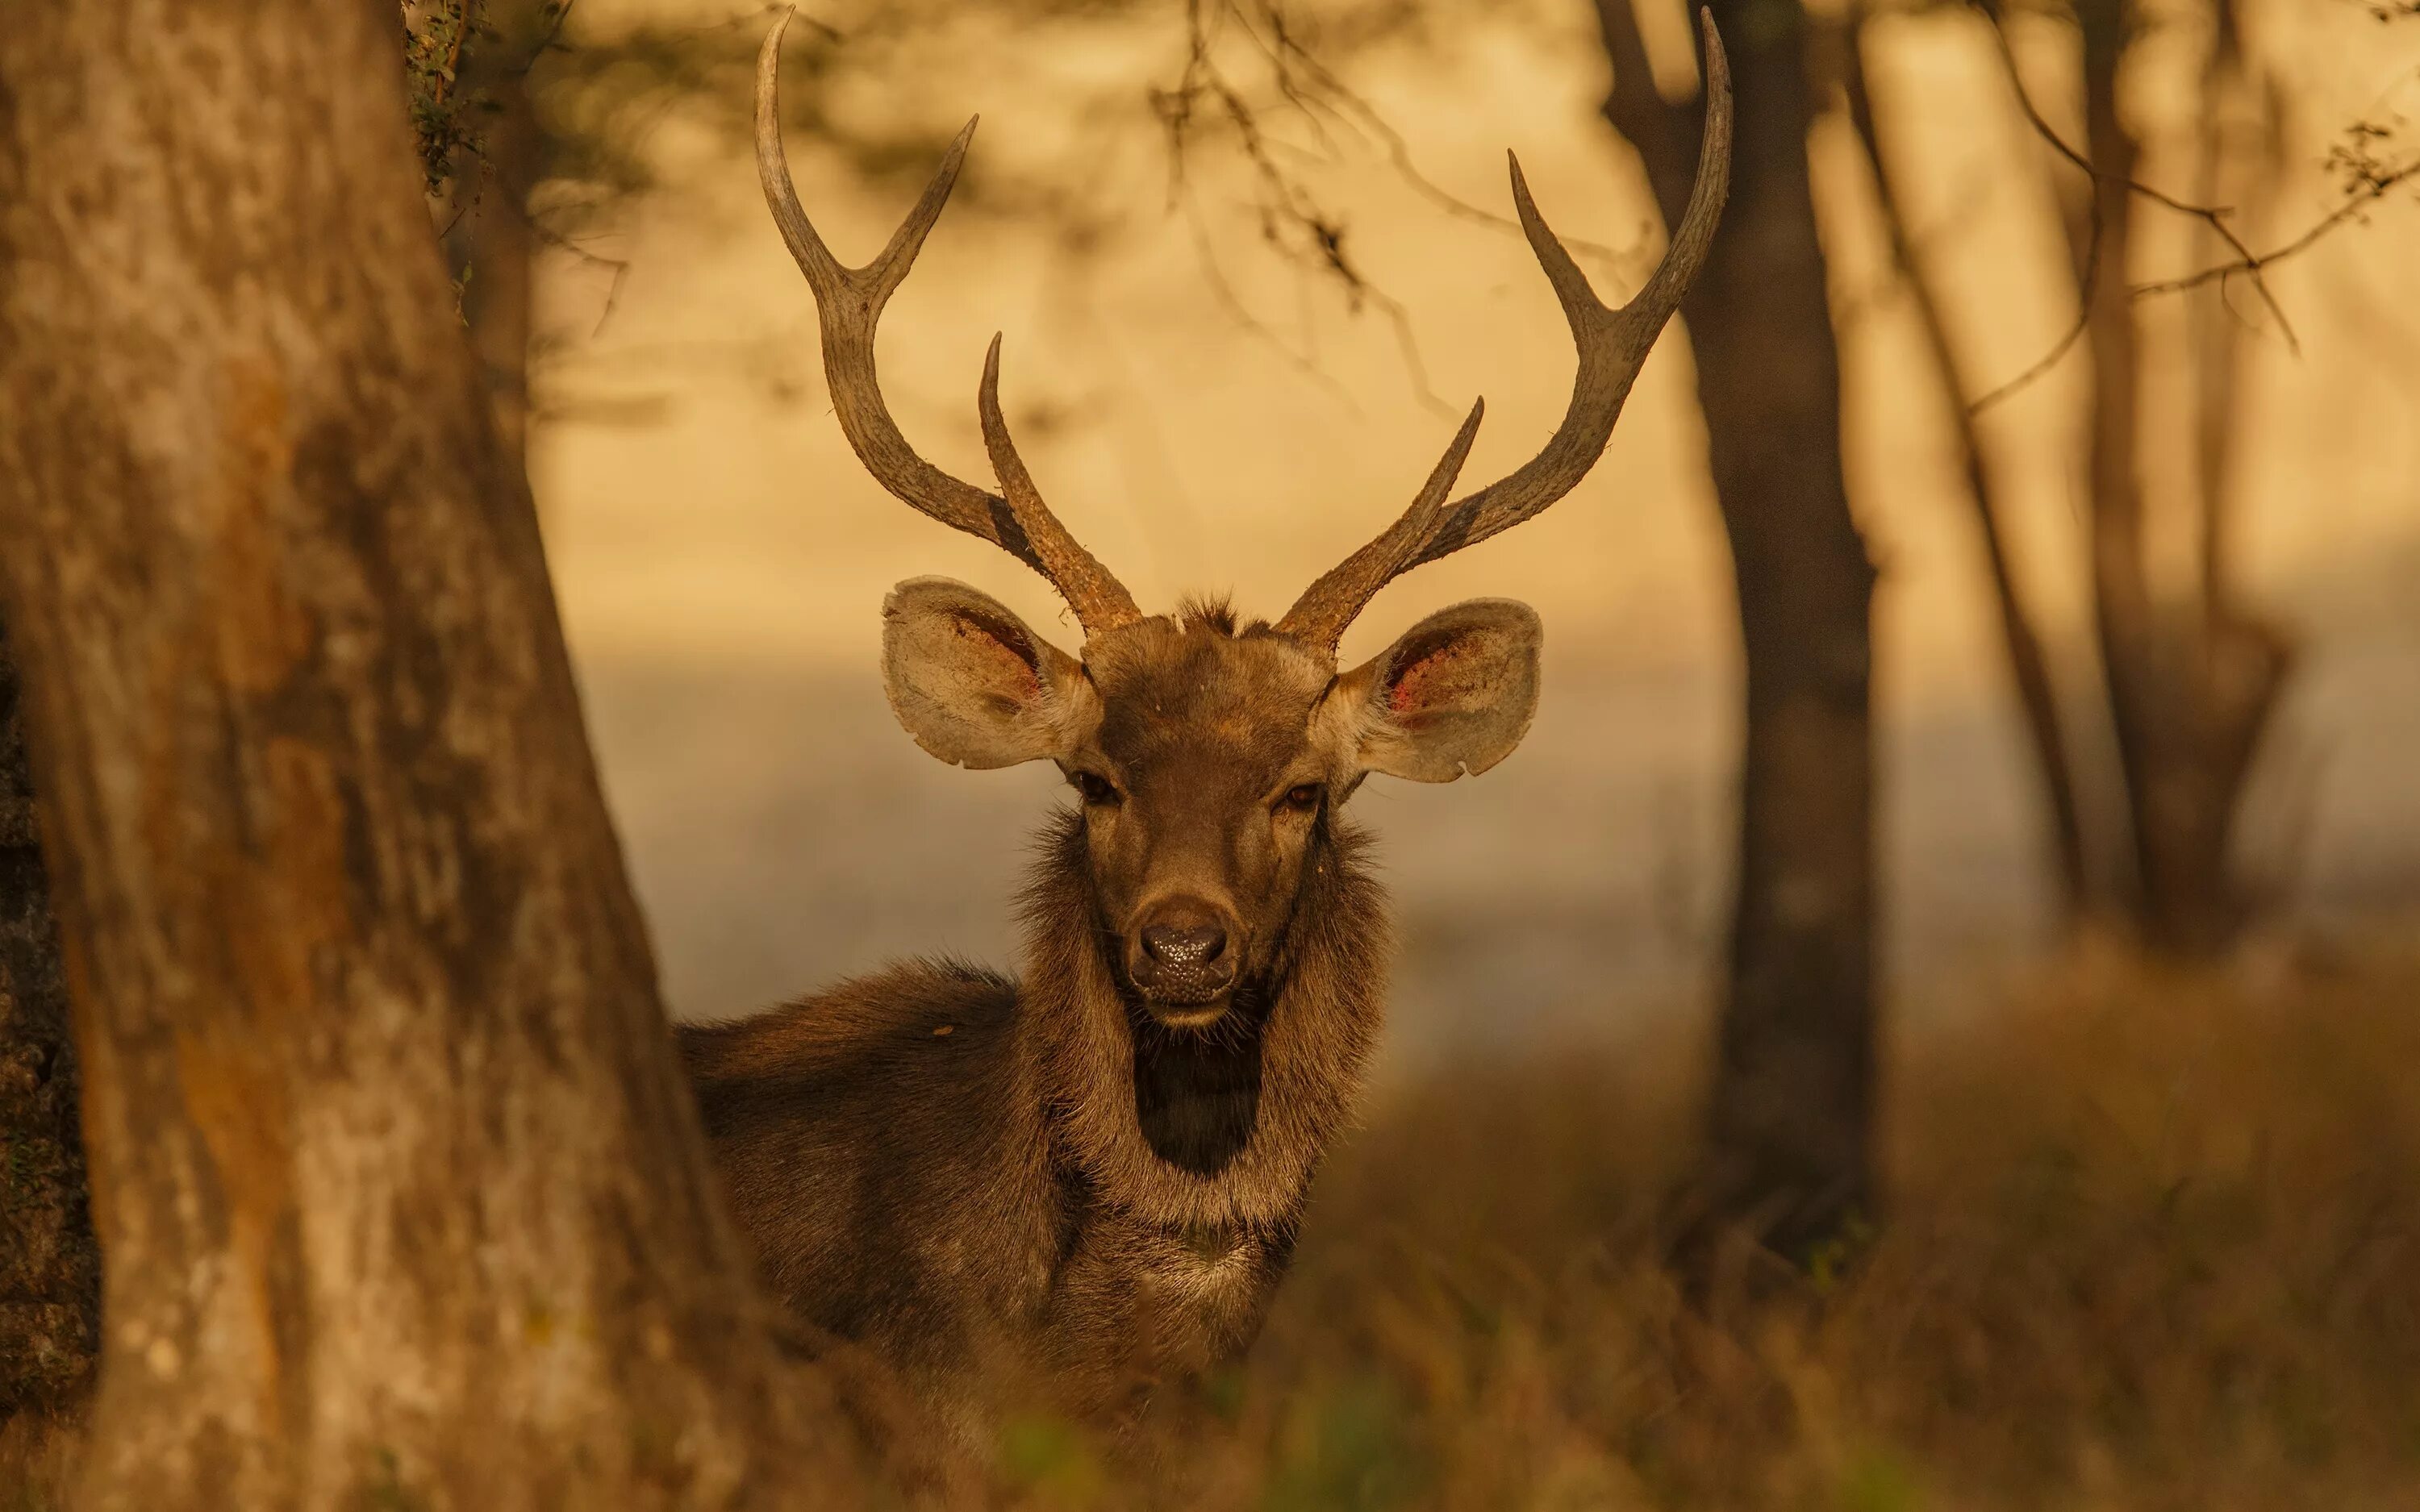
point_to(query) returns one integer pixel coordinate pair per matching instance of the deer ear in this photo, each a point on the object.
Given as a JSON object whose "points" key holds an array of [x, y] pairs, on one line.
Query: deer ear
{"points": [[1453, 695], [972, 684]]}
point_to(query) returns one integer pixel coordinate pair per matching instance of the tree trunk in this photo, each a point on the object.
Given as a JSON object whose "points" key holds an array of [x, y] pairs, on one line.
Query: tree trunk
{"points": [[50, 1270], [401, 1192], [1788, 1158], [2028, 666], [2191, 688], [492, 244], [2249, 657]]}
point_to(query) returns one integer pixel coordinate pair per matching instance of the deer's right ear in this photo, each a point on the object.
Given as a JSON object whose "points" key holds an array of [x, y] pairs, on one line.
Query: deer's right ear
{"points": [[971, 683]]}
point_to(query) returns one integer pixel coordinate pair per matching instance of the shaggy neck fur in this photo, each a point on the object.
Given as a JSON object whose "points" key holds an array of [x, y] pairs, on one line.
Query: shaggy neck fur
{"points": [[1222, 1128]]}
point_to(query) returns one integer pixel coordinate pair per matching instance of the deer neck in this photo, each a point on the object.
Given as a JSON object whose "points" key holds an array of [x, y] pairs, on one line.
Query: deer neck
{"points": [[1215, 1130]]}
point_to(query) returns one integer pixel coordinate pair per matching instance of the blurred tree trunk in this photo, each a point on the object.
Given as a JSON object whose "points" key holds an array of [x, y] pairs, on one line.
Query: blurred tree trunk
{"points": [[2190, 685], [2045, 725], [2191, 677], [401, 1191], [1787, 1160], [50, 1270]]}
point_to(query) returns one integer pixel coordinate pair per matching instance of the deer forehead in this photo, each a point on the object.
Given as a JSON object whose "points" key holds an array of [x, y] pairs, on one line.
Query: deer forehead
{"points": [[1189, 695]]}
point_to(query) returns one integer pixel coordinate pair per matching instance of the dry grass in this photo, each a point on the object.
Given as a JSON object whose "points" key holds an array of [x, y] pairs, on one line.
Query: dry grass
{"points": [[2155, 1244]]}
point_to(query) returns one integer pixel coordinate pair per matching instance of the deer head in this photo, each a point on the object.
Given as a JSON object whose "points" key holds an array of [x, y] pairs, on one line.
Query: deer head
{"points": [[1210, 755]]}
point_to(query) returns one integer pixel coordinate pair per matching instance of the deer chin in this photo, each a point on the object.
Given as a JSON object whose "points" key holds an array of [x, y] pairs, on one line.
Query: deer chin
{"points": [[1192, 1016], [1192, 1001]]}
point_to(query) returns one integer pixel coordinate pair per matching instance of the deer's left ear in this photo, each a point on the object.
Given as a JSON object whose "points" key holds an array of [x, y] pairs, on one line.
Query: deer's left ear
{"points": [[1455, 694]]}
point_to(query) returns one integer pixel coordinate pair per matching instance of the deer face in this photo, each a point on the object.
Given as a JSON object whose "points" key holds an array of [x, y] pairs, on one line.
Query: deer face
{"points": [[1208, 758]]}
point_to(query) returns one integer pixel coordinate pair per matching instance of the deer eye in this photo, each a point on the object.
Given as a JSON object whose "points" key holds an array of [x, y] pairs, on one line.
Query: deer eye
{"points": [[1094, 788], [1302, 798]]}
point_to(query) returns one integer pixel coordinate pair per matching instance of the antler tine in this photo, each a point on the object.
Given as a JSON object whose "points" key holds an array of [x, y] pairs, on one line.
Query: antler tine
{"points": [[1320, 616], [1099, 600], [1612, 347], [1612, 343], [1694, 237], [848, 306]]}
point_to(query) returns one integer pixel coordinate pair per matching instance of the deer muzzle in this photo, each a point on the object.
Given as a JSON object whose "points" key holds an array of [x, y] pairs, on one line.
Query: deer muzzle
{"points": [[1182, 958]]}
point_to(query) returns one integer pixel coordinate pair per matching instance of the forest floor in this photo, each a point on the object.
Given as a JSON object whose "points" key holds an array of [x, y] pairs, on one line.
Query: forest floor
{"points": [[2153, 1244]]}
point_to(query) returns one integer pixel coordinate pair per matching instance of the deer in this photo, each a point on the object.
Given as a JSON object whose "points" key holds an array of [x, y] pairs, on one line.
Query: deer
{"points": [[1092, 1175]]}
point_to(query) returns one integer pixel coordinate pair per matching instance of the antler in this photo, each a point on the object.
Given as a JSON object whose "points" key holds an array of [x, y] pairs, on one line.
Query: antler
{"points": [[848, 304], [1613, 346]]}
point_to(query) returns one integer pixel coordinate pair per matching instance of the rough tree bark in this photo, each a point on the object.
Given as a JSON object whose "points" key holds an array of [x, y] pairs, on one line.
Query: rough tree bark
{"points": [[1787, 1156], [402, 1195], [50, 1270]]}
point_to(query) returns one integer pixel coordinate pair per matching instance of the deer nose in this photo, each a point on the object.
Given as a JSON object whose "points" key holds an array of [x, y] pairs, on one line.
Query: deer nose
{"points": [[1182, 946], [1180, 957]]}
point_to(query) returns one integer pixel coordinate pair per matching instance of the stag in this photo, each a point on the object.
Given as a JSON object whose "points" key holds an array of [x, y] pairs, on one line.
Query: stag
{"points": [[1095, 1172]]}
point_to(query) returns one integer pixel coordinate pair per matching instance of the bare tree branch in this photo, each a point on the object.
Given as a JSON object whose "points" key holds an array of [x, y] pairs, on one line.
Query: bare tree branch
{"points": [[1294, 221], [2215, 217], [1285, 45], [2251, 264]]}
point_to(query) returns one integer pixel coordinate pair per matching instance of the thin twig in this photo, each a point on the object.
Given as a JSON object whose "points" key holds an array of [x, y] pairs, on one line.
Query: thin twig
{"points": [[2254, 264], [2085, 286], [2213, 216], [1224, 292], [560, 242], [1399, 151], [1409, 344], [1292, 219]]}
